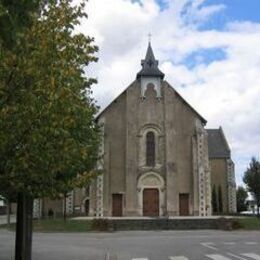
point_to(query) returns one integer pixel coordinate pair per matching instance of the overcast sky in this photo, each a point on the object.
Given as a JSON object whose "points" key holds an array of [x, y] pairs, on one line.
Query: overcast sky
{"points": [[209, 51]]}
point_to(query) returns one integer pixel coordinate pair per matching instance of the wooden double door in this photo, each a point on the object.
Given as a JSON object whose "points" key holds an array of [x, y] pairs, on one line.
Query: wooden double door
{"points": [[151, 202]]}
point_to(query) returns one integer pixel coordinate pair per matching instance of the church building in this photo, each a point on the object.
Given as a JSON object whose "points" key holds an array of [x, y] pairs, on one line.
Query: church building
{"points": [[157, 157], [158, 160]]}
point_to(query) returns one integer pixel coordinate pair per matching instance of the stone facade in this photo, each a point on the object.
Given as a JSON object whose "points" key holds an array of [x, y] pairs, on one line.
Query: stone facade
{"points": [[222, 171], [181, 167], [155, 156], [181, 158]]}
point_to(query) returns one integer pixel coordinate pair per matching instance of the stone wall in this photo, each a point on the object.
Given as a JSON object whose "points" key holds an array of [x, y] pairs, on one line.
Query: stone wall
{"points": [[169, 224]]}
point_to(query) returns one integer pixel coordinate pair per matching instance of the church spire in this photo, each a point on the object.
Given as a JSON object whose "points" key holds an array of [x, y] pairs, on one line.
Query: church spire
{"points": [[150, 65]]}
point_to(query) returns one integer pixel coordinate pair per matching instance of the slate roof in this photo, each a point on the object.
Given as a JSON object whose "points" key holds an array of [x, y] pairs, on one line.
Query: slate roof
{"points": [[150, 65], [217, 144]]}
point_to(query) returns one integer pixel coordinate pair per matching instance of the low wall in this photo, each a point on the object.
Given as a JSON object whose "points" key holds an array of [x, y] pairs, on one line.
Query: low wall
{"points": [[165, 224]]}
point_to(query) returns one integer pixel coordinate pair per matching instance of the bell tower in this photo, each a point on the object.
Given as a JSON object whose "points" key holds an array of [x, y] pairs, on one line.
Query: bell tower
{"points": [[150, 73]]}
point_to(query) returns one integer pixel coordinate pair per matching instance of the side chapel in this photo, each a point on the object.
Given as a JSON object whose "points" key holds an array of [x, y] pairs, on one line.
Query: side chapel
{"points": [[157, 157]]}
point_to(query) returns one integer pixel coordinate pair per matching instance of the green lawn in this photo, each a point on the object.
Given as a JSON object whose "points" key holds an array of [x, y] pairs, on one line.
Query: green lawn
{"points": [[58, 225], [249, 223]]}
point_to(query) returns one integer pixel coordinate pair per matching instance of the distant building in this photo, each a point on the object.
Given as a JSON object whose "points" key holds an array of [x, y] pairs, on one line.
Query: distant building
{"points": [[222, 170], [157, 157], [251, 205]]}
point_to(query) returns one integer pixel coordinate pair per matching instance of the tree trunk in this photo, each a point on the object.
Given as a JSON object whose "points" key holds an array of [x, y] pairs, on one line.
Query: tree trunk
{"points": [[23, 242]]}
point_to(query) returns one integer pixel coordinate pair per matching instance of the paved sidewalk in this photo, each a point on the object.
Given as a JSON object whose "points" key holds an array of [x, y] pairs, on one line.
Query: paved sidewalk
{"points": [[3, 219]]}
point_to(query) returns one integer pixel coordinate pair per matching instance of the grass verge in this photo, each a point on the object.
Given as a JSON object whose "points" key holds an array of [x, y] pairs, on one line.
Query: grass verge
{"points": [[57, 225], [247, 223]]}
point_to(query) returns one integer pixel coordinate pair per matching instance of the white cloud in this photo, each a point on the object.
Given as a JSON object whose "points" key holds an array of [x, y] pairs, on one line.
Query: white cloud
{"points": [[226, 92]]}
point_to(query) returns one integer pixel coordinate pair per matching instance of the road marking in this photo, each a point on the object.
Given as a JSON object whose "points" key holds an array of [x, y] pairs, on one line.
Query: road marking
{"points": [[229, 243], [107, 256], [209, 245], [253, 256], [251, 243], [218, 257], [236, 256], [140, 259], [178, 258]]}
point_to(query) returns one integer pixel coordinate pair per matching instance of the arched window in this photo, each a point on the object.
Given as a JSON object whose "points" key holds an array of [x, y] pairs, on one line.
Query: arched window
{"points": [[150, 149]]}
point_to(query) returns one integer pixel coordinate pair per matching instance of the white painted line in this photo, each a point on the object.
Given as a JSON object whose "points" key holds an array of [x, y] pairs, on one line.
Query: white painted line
{"points": [[252, 255], [178, 258], [218, 257], [209, 245], [110, 257], [229, 243], [107, 256], [251, 243], [236, 256]]}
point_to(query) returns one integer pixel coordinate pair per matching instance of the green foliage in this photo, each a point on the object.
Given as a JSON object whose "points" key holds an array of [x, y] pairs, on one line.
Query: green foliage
{"points": [[252, 180], [48, 135], [241, 199], [15, 16]]}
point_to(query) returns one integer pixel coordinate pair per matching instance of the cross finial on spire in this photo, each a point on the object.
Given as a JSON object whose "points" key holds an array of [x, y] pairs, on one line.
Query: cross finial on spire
{"points": [[149, 37]]}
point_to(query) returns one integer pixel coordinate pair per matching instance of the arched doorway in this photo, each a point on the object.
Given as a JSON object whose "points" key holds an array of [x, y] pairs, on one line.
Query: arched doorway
{"points": [[151, 195]]}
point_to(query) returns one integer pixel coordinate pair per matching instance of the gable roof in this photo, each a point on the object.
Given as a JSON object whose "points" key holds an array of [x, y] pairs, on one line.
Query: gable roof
{"points": [[150, 69], [204, 121], [106, 107], [217, 144]]}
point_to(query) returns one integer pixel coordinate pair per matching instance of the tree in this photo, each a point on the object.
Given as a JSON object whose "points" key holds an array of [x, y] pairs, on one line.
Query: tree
{"points": [[241, 199], [15, 16], [81, 181], [252, 180], [48, 135]]}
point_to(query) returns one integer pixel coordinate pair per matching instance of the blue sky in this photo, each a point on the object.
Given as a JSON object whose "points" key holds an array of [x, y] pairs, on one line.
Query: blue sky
{"points": [[235, 10], [241, 10], [208, 50]]}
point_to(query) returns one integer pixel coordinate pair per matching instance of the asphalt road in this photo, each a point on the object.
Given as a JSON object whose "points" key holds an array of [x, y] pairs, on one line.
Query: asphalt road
{"points": [[141, 245]]}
